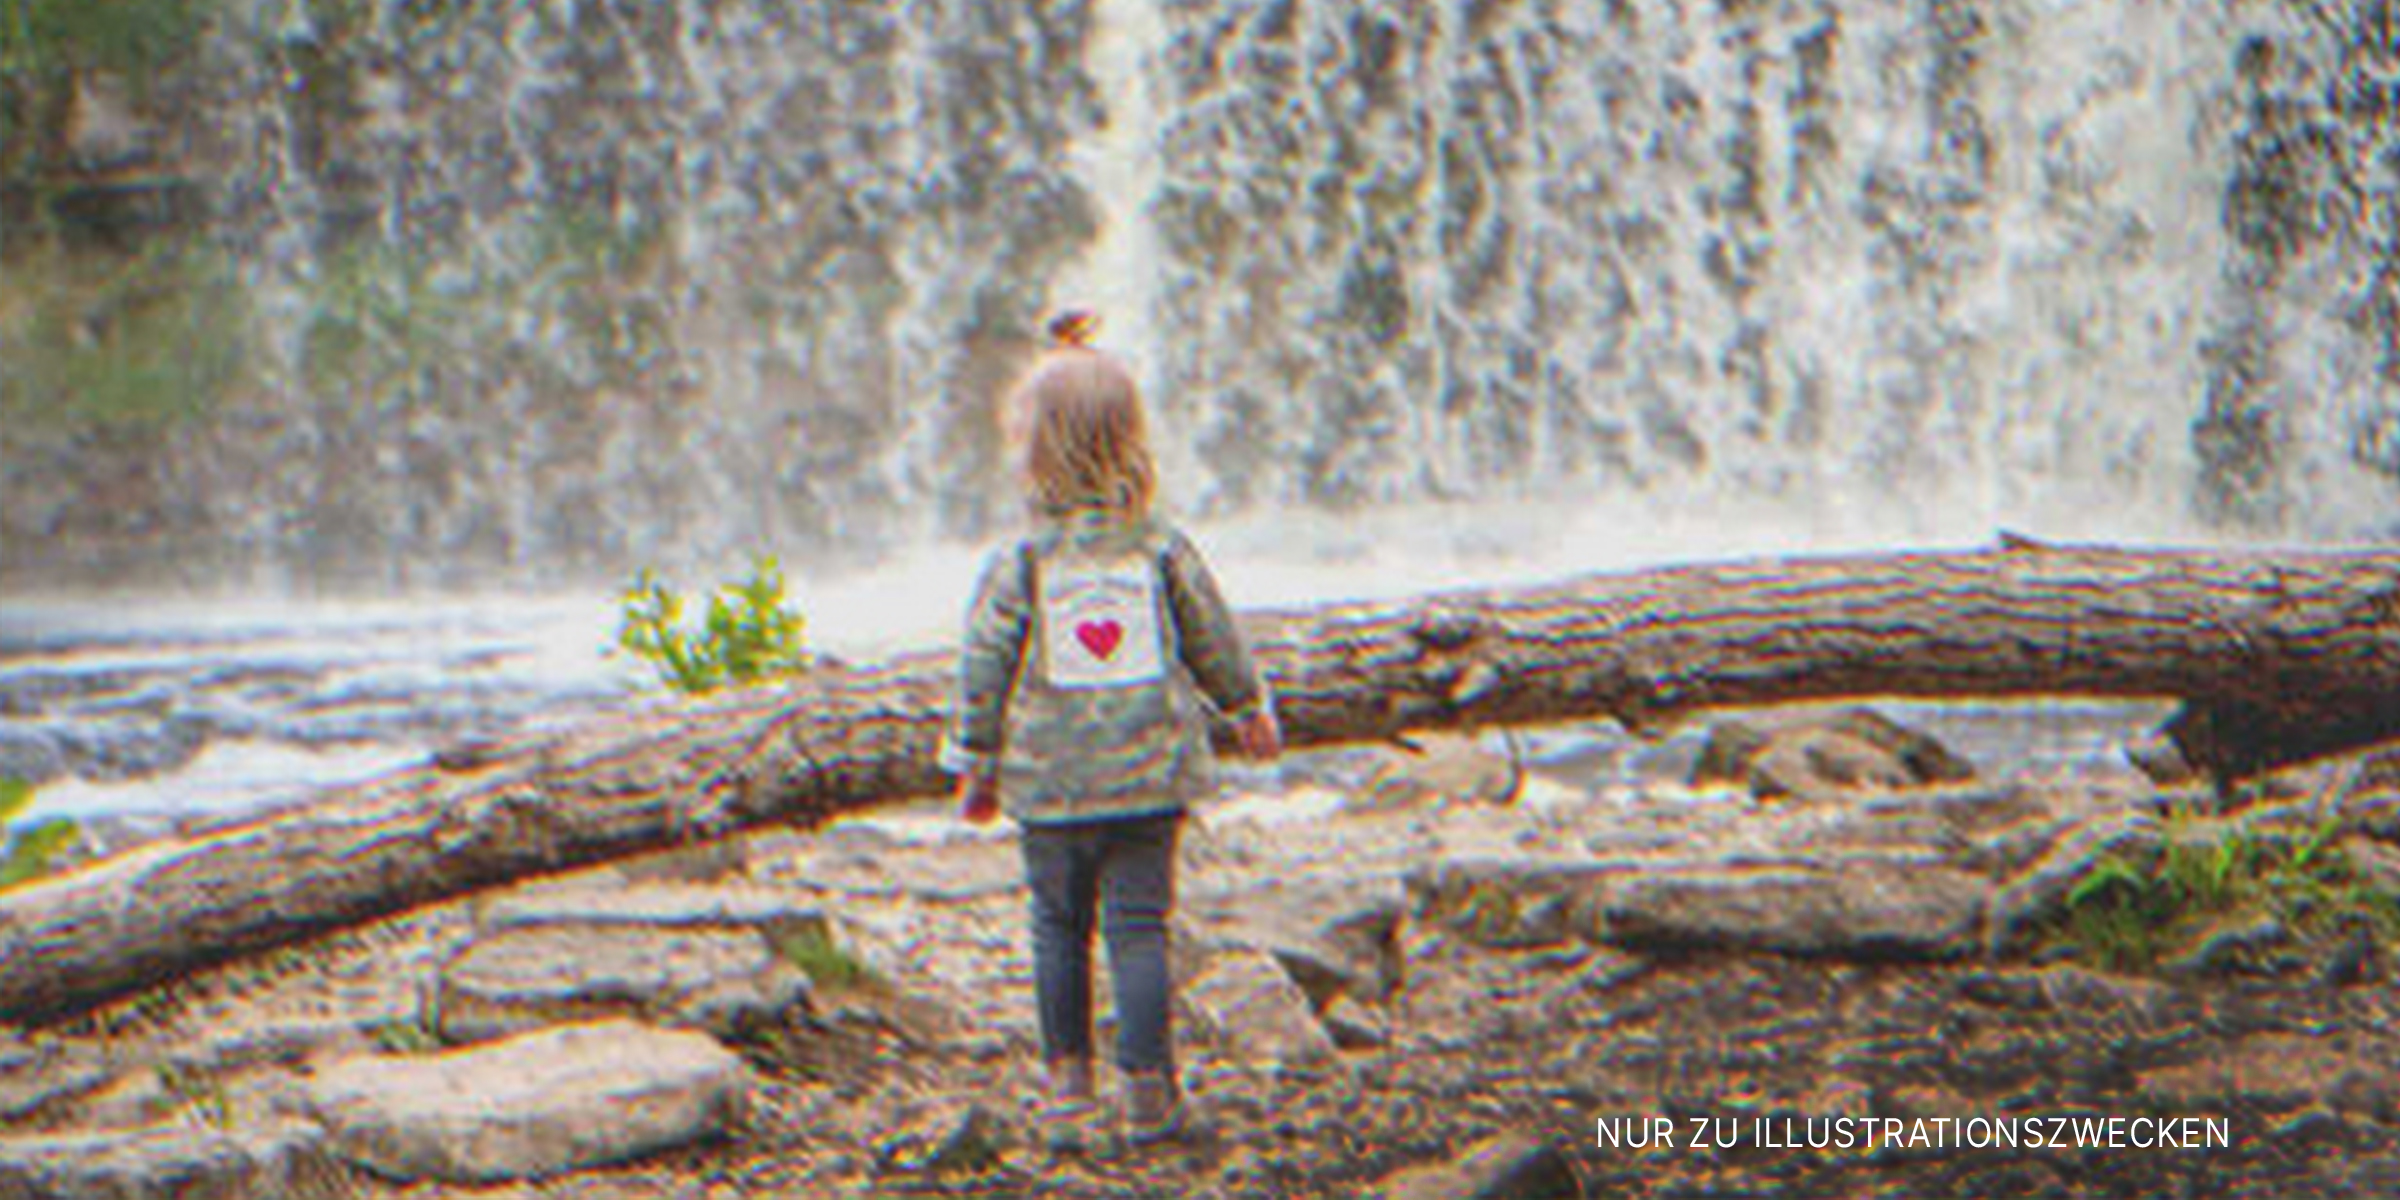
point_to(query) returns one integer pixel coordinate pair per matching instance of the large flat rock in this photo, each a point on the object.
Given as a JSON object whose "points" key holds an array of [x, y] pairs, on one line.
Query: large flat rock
{"points": [[1868, 909], [536, 975], [535, 1105], [169, 1161]]}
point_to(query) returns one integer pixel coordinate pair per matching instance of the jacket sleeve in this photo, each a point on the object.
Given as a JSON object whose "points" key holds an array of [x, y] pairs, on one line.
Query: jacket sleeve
{"points": [[1206, 638], [997, 625]]}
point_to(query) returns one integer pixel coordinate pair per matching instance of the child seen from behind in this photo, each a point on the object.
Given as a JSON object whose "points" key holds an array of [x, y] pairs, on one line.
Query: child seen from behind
{"points": [[1095, 649]]}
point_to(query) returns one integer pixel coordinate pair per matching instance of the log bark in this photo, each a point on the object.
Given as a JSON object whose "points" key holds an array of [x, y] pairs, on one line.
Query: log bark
{"points": [[2280, 658]]}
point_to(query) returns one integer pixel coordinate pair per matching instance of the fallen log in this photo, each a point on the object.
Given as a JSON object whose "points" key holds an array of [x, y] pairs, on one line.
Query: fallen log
{"points": [[2280, 658]]}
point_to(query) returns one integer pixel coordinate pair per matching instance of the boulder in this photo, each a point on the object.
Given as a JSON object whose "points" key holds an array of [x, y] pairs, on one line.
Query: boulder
{"points": [[1356, 1026], [1824, 757], [1258, 1012], [530, 1106], [1508, 1167], [1333, 935], [524, 978], [168, 1161]]}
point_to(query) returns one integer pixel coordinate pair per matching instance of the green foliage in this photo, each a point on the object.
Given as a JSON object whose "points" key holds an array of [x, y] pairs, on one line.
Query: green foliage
{"points": [[133, 38], [748, 634], [2128, 915], [30, 849], [152, 341], [811, 948]]}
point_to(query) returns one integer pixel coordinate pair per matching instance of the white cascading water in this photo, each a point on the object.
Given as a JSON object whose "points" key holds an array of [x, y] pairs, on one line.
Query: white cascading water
{"points": [[1422, 295]]}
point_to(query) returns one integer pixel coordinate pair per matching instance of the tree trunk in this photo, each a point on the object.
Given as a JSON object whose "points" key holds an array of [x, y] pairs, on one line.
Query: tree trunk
{"points": [[2281, 657]]}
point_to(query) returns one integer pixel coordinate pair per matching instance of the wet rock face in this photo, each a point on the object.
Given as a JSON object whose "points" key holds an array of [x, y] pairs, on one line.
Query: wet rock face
{"points": [[823, 218], [531, 977]]}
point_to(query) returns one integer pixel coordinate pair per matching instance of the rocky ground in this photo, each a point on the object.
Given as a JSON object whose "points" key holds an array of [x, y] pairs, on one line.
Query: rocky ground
{"points": [[1428, 973]]}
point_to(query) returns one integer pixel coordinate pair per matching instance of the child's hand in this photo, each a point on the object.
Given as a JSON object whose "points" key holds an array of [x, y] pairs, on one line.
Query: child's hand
{"points": [[979, 799], [1260, 736]]}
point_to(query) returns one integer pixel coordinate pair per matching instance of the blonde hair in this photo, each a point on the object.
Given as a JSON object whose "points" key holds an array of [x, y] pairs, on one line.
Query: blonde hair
{"points": [[1087, 443]]}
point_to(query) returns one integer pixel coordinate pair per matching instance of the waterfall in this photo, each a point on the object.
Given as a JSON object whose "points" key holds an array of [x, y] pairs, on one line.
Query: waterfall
{"points": [[1117, 273], [542, 292]]}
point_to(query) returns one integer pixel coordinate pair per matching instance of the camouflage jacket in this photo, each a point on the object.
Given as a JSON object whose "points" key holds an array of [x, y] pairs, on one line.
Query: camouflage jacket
{"points": [[1094, 651]]}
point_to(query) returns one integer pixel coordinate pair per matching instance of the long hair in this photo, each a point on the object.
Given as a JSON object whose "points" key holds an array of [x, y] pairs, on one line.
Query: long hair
{"points": [[1087, 443]]}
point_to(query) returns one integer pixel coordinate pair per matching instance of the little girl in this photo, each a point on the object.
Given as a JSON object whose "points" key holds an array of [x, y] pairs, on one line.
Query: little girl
{"points": [[1092, 648]]}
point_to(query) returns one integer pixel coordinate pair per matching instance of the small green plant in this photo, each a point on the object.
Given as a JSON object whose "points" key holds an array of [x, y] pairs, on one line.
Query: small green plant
{"points": [[401, 1035], [2128, 914], [748, 634], [812, 948], [33, 848]]}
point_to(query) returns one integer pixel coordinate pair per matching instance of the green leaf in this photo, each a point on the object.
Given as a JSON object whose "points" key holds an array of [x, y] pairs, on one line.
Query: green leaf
{"points": [[15, 794], [2107, 873], [745, 633], [30, 851]]}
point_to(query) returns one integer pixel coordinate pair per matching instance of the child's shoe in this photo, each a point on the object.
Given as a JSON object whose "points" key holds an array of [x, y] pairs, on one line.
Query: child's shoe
{"points": [[1066, 1110], [1153, 1110]]}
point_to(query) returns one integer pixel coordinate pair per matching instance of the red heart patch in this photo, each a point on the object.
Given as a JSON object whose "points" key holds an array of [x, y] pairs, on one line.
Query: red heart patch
{"points": [[1100, 637]]}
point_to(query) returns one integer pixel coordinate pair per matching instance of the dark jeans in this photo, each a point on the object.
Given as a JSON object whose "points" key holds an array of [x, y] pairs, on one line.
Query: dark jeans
{"points": [[1123, 871]]}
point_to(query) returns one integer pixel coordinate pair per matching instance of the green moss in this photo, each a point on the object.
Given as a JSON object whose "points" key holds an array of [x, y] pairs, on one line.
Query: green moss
{"points": [[144, 341], [133, 38]]}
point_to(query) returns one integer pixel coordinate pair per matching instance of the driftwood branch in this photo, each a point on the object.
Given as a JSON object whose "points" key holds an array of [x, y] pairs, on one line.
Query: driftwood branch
{"points": [[2279, 658]]}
